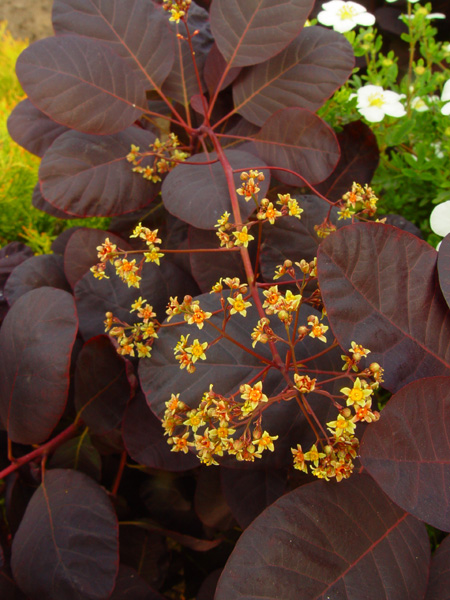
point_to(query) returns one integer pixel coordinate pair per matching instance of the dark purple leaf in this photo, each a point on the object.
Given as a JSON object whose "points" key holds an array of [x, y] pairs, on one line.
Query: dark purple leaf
{"points": [[136, 30], [80, 83], [131, 586], [32, 129], [443, 267], [81, 251], [102, 385], [297, 139], [207, 269], [78, 453], [315, 64], [329, 540], [39, 202], [95, 297], [182, 82], [393, 307], [89, 175], [359, 159], [210, 504], [251, 32], [439, 580], [36, 272], [12, 255], [59, 244], [199, 194], [72, 518], [145, 442], [36, 342], [249, 492], [408, 451], [215, 65]]}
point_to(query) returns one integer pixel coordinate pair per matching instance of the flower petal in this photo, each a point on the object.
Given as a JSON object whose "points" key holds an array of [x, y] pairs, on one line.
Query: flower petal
{"points": [[440, 218]]}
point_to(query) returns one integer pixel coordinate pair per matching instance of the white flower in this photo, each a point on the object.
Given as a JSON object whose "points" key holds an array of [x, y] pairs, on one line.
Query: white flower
{"points": [[445, 97], [410, 1], [374, 103], [344, 16], [440, 218], [419, 104]]}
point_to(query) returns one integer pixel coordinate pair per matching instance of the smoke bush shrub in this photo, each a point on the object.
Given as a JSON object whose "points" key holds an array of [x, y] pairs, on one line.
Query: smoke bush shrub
{"points": [[243, 313]]}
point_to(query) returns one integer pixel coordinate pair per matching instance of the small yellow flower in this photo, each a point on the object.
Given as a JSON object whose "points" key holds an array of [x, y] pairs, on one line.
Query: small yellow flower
{"points": [[304, 383], [197, 350], [358, 394], [314, 455], [239, 305], [299, 459], [144, 351], [242, 237], [294, 209], [265, 442], [341, 426], [153, 256], [197, 317]]}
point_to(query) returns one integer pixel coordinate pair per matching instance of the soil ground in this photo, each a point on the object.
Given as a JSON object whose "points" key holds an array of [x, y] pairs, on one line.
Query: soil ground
{"points": [[29, 19]]}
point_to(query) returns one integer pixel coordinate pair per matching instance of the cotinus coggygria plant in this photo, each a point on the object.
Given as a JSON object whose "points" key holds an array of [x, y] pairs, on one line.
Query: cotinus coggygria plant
{"points": [[190, 400]]}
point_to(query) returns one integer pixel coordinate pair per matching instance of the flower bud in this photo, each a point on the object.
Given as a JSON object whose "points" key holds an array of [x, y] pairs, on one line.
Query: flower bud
{"points": [[346, 413], [374, 367]]}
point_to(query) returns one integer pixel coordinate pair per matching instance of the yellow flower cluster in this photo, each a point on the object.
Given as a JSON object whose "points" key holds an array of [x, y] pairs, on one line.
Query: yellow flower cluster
{"points": [[126, 269], [187, 355], [137, 338], [210, 429], [336, 460], [359, 200], [177, 8], [340, 449], [167, 156], [282, 305]]}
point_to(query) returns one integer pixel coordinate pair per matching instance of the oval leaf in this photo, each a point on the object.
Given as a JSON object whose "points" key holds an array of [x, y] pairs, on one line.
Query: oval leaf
{"points": [[199, 194], [32, 129], [250, 32], [37, 271], [377, 284], [88, 176], [443, 266], [81, 83], [102, 387], [303, 75], [359, 159], [297, 139], [136, 30], [36, 342], [81, 560], [327, 540], [410, 461]]}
